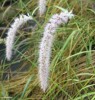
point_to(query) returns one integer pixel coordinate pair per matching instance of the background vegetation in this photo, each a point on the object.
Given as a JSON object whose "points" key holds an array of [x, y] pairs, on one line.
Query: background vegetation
{"points": [[72, 70]]}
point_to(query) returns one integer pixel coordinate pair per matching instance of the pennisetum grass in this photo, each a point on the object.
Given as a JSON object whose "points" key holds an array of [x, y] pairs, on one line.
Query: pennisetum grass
{"points": [[46, 45], [73, 60], [42, 7], [22, 19]]}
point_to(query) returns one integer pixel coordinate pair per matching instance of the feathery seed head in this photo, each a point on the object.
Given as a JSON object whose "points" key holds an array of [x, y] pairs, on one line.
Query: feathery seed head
{"points": [[12, 32], [46, 45], [42, 7]]}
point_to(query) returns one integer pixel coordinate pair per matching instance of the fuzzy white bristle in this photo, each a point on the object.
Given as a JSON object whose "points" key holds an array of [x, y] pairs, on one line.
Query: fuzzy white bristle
{"points": [[42, 7], [46, 45], [22, 19]]}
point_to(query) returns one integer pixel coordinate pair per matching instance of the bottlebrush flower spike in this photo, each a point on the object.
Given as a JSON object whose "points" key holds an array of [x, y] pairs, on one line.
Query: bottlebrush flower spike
{"points": [[46, 44], [22, 19], [42, 7]]}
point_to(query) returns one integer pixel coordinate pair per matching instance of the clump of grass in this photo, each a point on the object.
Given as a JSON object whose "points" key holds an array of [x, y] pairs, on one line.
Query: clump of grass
{"points": [[72, 62]]}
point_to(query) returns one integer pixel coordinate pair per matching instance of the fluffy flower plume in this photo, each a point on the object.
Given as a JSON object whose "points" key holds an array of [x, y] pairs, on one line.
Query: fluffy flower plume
{"points": [[12, 33], [42, 7], [46, 44]]}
